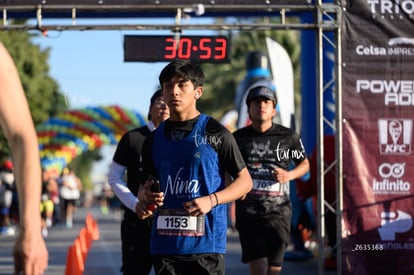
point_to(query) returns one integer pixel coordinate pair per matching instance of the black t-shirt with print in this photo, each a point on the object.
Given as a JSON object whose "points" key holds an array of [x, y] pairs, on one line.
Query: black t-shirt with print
{"points": [[263, 152]]}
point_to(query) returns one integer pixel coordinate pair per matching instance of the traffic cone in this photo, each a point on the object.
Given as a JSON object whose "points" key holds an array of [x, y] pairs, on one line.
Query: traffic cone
{"points": [[88, 238], [74, 261], [96, 234], [83, 240], [92, 227], [71, 268], [88, 220]]}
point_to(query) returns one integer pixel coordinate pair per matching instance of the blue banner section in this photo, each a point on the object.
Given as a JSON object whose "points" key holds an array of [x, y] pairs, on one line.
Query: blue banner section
{"points": [[309, 91]]}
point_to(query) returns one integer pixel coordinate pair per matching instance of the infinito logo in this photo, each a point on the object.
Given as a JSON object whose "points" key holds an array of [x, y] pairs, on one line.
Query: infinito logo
{"points": [[395, 136], [390, 181], [391, 8], [395, 170], [394, 222]]}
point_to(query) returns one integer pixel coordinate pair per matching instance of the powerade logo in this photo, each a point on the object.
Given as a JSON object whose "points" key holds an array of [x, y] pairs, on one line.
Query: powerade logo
{"points": [[391, 8], [395, 92], [395, 136]]}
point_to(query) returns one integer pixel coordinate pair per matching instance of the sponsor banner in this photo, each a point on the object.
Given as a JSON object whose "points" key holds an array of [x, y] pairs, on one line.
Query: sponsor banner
{"points": [[378, 161], [386, 26]]}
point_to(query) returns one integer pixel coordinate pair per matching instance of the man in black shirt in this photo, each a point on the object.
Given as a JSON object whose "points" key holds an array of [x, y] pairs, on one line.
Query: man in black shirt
{"points": [[263, 217], [135, 232]]}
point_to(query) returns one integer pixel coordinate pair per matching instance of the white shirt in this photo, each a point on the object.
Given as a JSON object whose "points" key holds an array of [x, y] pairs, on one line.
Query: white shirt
{"points": [[119, 186]]}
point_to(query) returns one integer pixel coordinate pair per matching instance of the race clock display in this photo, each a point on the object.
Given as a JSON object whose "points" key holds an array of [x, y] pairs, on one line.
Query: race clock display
{"points": [[213, 49]]}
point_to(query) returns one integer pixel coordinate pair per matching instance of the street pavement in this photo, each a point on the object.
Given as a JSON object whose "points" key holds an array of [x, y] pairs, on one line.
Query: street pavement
{"points": [[104, 256]]}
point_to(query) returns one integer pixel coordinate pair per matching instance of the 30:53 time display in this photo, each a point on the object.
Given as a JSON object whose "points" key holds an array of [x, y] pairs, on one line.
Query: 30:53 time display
{"points": [[165, 48]]}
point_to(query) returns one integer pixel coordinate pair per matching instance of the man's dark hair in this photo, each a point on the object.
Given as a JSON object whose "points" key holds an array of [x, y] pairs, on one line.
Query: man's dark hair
{"points": [[154, 97], [182, 70]]}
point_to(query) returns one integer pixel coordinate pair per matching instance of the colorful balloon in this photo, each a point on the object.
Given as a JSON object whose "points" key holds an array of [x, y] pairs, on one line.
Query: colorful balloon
{"points": [[69, 134]]}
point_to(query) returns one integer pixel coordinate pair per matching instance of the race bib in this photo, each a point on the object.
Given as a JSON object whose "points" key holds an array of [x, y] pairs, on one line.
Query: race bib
{"points": [[267, 187], [174, 222]]}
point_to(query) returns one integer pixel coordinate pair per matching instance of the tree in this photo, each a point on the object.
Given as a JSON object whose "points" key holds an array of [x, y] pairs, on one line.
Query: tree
{"points": [[41, 90], [223, 79]]}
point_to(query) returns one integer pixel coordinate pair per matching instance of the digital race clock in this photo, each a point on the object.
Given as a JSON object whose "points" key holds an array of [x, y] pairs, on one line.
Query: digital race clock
{"points": [[166, 48]]}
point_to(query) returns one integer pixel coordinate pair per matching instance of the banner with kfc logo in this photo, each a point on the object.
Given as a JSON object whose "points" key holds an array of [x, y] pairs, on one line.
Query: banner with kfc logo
{"points": [[378, 158]]}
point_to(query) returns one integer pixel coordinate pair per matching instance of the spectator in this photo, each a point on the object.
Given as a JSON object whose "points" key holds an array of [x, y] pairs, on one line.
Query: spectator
{"points": [[70, 194], [47, 204]]}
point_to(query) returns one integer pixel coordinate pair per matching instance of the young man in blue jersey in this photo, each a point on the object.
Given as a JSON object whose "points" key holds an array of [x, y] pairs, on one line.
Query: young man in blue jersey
{"points": [[263, 217], [189, 154]]}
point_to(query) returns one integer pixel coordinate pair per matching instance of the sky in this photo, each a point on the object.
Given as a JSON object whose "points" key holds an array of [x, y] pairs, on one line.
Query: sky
{"points": [[89, 65], [90, 71]]}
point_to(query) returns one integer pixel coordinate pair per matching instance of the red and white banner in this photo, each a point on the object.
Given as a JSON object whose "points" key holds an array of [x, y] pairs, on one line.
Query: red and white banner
{"points": [[378, 160]]}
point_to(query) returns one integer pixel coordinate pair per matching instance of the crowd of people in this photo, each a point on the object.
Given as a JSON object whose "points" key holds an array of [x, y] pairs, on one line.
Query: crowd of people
{"points": [[60, 195], [176, 177]]}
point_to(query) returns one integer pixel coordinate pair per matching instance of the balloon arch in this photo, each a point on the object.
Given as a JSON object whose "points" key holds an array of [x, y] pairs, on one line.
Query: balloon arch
{"points": [[75, 131]]}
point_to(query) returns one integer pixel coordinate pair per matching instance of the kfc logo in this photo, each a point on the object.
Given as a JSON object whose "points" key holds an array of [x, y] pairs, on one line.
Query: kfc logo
{"points": [[395, 136]]}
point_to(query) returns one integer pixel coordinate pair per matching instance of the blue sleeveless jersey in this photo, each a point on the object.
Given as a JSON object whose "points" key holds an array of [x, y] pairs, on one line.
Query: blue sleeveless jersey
{"points": [[187, 169]]}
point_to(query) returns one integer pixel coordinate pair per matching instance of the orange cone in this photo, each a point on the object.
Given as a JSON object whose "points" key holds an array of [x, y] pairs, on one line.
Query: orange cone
{"points": [[96, 234], [83, 240], [71, 268], [88, 237], [79, 258], [92, 227], [88, 221], [74, 261]]}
